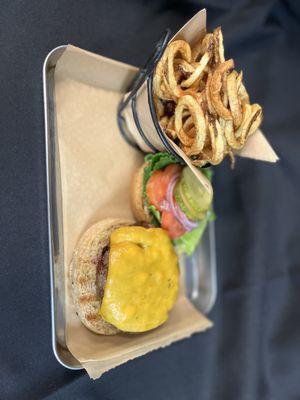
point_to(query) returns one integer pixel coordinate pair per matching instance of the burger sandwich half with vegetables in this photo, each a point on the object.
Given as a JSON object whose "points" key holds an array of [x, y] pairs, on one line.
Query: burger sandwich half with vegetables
{"points": [[125, 277], [167, 194]]}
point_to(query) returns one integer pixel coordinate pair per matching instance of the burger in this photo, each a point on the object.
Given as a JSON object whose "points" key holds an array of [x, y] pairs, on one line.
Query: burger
{"points": [[167, 194], [124, 277]]}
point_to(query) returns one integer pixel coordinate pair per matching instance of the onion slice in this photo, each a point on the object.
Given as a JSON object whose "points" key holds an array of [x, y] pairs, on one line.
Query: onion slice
{"points": [[165, 206], [175, 209]]}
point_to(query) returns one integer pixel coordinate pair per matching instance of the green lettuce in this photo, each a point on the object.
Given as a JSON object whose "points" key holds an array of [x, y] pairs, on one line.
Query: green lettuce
{"points": [[208, 172], [188, 242], [156, 217]]}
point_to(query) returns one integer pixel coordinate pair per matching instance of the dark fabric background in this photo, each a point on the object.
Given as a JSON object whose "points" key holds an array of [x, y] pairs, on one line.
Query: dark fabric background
{"points": [[253, 351]]}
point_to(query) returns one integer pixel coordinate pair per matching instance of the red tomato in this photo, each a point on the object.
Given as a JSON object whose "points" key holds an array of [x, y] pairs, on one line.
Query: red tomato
{"points": [[172, 169], [171, 225], [157, 185], [156, 192], [168, 174]]}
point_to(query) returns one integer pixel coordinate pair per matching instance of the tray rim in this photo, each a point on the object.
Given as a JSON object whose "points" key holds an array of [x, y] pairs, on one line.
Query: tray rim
{"points": [[55, 345]]}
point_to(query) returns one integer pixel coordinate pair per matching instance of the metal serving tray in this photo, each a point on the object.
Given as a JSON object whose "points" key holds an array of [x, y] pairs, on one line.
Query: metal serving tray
{"points": [[199, 271]]}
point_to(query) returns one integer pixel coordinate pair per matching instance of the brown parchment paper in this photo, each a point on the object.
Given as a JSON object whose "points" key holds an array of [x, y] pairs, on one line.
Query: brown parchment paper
{"points": [[257, 147], [96, 169]]}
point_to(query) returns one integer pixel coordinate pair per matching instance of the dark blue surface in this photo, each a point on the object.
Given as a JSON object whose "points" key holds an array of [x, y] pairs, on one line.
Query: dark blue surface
{"points": [[253, 351]]}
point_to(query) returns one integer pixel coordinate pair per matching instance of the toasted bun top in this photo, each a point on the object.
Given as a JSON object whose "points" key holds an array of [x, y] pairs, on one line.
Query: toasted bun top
{"points": [[86, 295], [139, 210]]}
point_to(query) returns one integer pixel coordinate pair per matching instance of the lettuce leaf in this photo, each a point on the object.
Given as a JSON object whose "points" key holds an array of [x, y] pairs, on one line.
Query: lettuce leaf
{"points": [[156, 217], [188, 242], [208, 172]]}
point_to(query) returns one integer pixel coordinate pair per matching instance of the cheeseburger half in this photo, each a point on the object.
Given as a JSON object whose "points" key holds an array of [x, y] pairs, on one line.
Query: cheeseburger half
{"points": [[166, 194], [124, 277]]}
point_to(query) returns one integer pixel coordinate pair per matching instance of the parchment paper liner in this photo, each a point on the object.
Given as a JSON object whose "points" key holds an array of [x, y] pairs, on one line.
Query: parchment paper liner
{"points": [[96, 169]]}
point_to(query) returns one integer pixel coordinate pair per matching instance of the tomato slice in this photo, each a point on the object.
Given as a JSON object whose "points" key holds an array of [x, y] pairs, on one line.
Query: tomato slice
{"points": [[171, 225], [155, 190], [172, 169], [158, 183]]}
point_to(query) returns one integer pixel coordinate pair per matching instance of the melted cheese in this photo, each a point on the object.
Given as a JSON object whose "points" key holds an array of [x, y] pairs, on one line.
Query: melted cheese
{"points": [[142, 280]]}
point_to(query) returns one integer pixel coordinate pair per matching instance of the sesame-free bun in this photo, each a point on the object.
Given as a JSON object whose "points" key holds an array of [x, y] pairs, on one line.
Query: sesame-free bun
{"points": [[87, 294], [140, 212]]}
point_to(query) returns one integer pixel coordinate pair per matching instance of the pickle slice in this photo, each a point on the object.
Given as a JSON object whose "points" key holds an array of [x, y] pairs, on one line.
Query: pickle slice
{"points": [[191, 196]]}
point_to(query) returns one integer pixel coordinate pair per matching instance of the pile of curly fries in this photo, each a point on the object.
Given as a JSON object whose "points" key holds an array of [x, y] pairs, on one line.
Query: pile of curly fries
{"points": [[201, 101]]}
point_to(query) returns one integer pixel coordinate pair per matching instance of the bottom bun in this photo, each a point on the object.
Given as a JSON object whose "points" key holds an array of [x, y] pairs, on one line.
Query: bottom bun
{"points": [[85, 289]]}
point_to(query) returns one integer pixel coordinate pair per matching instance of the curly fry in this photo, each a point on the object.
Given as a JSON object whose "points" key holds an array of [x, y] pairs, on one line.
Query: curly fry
{"points": [[224, 94], [234, 102], [215, 87], [229, 135], [157, 79], [158, 106], [197, 50], [207, 94], [188, 102], [218, 46], [184, 138], [243, 94], [188, 124], [237, 139], [232, 158], [198, 162], [183, 66], [208, 44], [256, 116], [171, 133], [182, 47], [218, 143], [171, 123], [164, 122], [242, 132], [197, 72], [239, 80]]}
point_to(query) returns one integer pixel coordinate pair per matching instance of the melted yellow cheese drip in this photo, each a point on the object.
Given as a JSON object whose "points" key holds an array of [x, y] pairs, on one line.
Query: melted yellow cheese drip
{"points": [[142, 280]]}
